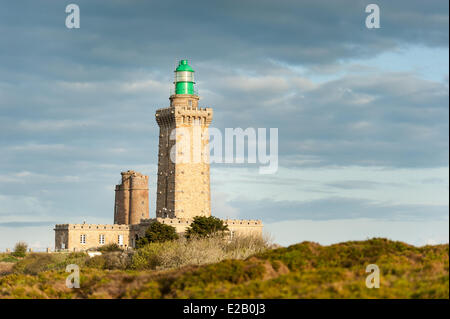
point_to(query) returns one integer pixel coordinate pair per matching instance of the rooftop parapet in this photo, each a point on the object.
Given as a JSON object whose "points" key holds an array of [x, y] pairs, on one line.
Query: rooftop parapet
{"points": [[92, 226], [183, 115], [242, 222], [185, 110], [151, 220], [167, 220], [190, 220]]}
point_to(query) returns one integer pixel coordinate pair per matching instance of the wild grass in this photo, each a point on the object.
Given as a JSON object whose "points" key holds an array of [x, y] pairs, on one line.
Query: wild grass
{"points": [[183, 269], [8, 258], [196, 251], [35, 263], [153, 256]]}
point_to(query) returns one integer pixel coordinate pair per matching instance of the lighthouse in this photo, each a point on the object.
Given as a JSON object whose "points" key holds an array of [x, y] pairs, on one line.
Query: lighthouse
{"points": [[183, 186]]}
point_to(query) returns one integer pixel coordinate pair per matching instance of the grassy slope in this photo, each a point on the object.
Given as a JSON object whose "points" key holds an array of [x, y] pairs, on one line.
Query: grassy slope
{"points": [[305, 270]]}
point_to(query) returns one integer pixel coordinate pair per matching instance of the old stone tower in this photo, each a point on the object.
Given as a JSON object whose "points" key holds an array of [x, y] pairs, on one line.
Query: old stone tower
{"points": [[131, 200], [183, 189]]}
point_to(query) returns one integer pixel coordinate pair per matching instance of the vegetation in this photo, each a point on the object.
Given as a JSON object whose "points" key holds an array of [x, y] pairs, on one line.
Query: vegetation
{"points": [[206, 226], [305, 270], [20, 249], [35, 263], [196, 251], [109, 248], [157, 233], [7, 261], [8, 258], [112, 260]]}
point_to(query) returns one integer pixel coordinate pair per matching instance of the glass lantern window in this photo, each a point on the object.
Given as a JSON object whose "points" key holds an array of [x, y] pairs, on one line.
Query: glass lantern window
{"points": [[184, 76]]}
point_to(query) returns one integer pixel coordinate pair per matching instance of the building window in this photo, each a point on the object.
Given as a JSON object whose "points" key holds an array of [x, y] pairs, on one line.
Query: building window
{"points": [[83, 239], [101, 239], [190, 102], [120, 240]]}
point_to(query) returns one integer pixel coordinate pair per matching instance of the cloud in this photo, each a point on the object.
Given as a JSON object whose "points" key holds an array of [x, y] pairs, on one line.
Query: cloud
{"points": [[26, 224], [103, 87], [77, 106], [333, 208], [392, 119], [221, 206], [135, 34], [361, 184]]}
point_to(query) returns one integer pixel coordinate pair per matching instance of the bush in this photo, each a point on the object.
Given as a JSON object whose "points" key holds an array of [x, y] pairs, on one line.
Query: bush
{"points": [[33, 264], [111, 260], [195, 251], [96, 262], [117, 260], [20, 249], [148, 256], [109, 248], [157, 233], [206, 226], [8, 258]]}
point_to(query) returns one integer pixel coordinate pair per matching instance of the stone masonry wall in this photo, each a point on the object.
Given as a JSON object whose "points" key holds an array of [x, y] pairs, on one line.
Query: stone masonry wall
{"points": [[183, 188], [70, 236]]}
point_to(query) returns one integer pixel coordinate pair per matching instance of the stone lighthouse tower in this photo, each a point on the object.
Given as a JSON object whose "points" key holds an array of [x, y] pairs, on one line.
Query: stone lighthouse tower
{"points": [[183, 189]]}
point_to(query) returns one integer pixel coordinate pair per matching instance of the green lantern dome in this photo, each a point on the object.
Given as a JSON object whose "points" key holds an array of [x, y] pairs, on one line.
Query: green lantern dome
{"points": [[184, 78]]}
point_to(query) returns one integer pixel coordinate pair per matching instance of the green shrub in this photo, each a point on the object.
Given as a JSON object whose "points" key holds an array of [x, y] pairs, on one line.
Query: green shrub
{"points": [[8, 259], [33, 264], [148, 256], [232, 271], [20, 249], [117, 260], [110, 247], [76, 255], [205, 226], [96, 262], [157, 233], [111, 260], [77, 258]]}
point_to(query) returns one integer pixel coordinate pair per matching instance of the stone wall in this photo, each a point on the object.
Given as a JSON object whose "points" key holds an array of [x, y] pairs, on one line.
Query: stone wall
{"points": [[68, 236], [244, 227]]}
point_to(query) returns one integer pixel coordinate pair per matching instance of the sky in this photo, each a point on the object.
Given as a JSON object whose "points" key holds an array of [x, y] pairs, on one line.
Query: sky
{"points": [[362, 114]]}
